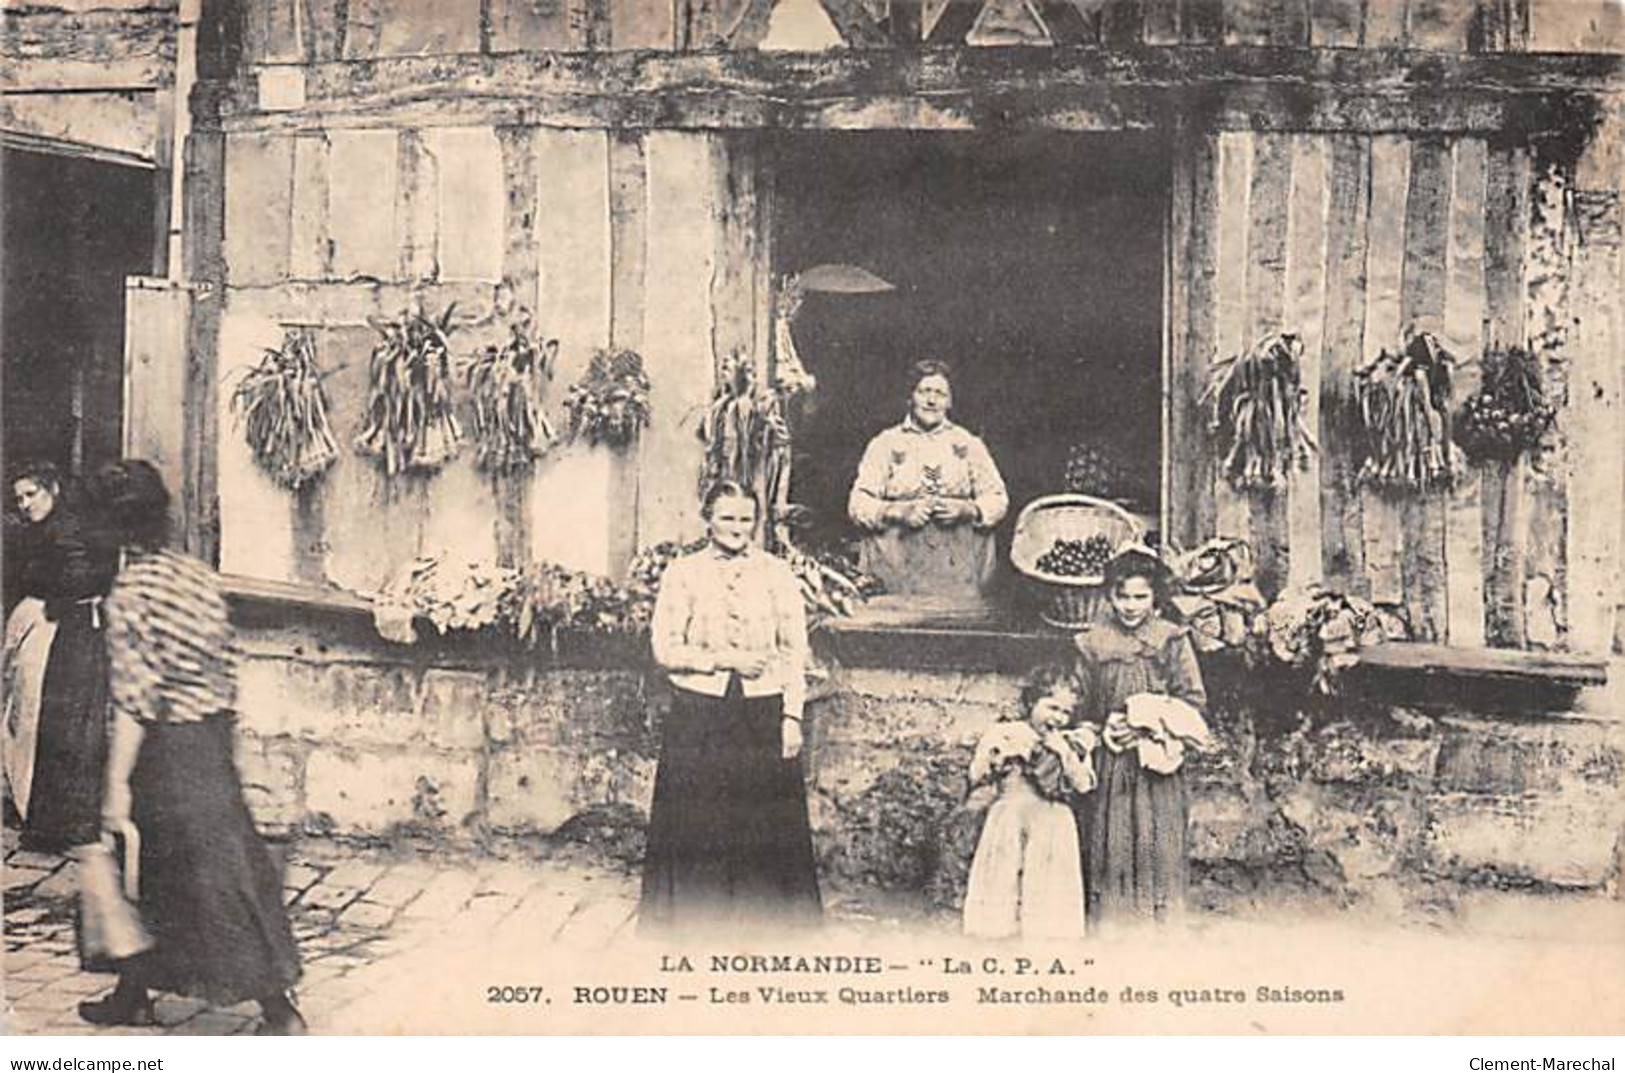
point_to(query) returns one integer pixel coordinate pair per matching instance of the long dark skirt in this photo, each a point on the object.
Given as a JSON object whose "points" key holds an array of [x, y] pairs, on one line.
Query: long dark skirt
{"points": [[729, 841], [1134, 827], [210, 891], [65, 804]]}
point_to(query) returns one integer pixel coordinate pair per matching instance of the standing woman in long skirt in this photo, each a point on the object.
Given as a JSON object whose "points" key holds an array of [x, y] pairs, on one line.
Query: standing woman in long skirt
{"points": [[210, 893], [56, 732], [729, 842]]}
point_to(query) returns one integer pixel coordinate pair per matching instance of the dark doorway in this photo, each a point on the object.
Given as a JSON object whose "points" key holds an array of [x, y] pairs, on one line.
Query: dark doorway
{"points": [[74, 228], [1033, 263]]}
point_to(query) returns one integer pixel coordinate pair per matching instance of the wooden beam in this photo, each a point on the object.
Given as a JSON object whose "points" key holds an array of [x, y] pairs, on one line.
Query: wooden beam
{"points": [[1447, 87], [957, 17], [1306, 253], [904, 25], [1597, 424], [1202, 22], [1385, 261], [1192, 505], [1231, 326], [1572, 669], [1385, 24], [204, 206], [69, 75], [1265, 296], [1161, 21], [1072, 108], [749, 27], [103, 48], [1335, 23], [857, 27], [1464, 336], [1422, 305], [1343, 543], [1548, 269], [1506, 232], [1122, 24], [416, 233]]}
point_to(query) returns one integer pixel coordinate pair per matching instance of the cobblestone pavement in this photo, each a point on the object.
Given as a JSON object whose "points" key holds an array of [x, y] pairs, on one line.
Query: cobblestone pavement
{"points": [[368, 922], [353, 909]]}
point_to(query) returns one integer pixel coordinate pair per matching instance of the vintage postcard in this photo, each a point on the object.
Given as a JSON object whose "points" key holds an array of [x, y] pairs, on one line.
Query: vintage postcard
{"points": [[814, 517]]}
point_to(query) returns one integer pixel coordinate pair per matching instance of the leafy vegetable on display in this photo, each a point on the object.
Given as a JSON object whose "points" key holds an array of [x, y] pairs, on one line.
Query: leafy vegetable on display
{"points": [[283, 410], [410, 420], [1510, 415], [611, 403]]}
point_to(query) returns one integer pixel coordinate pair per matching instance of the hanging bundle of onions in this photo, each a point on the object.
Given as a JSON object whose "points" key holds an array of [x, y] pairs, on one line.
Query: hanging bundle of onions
{"points": [[734, 428], [1403, 403], [611, 403], [1257, 402], [1511, 414], [283, 410], [410, 420], [510, 427]]}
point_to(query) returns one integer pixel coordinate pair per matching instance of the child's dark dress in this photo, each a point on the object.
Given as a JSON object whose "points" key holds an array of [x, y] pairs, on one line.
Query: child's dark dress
{"points": [[1134, 826]]}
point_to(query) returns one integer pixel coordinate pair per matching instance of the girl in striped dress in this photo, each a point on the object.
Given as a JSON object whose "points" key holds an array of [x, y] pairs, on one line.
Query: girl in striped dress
{"points": [[210, 893]]}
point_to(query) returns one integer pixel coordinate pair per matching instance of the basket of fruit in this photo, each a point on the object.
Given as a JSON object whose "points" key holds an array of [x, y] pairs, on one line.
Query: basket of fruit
{"points": [[1062, 544]]}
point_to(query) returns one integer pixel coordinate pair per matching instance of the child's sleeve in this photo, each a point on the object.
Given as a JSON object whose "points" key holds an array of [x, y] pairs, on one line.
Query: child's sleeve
{"points": [[1184, 673], [1077, 758]]}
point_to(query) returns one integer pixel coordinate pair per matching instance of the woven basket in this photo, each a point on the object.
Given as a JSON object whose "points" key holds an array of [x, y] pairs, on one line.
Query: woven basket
{"points": [[1070, 602]]}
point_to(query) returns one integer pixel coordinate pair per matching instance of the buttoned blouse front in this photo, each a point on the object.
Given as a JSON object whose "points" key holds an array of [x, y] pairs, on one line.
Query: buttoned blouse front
{"points": [[711, 602]]}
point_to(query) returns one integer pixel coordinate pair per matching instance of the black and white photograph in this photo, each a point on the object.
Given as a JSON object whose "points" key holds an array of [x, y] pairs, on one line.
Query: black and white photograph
{"points": [[813, 517]]}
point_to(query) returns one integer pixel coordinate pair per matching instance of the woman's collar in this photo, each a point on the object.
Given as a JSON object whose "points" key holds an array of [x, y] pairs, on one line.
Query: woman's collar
{"points": [[722, 555], [911, 425]]}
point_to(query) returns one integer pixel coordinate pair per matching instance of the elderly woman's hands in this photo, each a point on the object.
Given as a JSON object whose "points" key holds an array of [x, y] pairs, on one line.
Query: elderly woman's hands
{"points": [[949, 512], [912, 513]]}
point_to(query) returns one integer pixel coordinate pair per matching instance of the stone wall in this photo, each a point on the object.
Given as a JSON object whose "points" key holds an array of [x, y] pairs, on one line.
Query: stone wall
{"points": [[1375, 807]]}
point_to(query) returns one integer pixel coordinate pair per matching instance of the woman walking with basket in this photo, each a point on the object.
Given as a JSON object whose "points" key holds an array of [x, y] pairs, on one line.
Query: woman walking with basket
{"points": [[210, 894]]}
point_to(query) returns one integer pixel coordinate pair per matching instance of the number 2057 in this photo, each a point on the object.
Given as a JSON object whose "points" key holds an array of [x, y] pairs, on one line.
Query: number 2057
{"points": [[519, 995]]}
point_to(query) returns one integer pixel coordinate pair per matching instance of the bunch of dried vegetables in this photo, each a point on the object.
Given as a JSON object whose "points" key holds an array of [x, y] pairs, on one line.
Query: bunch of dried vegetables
{"points": [[1403, 412], [1258, 400], [1510, 415], [506, 384], [410, 420], [283, 410], [735, 428], [611, 403]]}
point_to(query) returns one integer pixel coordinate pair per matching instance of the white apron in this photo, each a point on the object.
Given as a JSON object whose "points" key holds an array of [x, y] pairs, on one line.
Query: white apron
{"points": [[22, 683]]}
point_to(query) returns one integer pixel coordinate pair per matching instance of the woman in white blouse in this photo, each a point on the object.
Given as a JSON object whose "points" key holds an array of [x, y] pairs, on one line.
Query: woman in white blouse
{"points": [[927, 497], [729, 841]]}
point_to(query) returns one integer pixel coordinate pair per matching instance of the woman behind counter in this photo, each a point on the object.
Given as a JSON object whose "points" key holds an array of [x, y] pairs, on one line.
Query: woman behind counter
{"points": [[210, 892], [55, 751], [730, 845], [927, 497]]}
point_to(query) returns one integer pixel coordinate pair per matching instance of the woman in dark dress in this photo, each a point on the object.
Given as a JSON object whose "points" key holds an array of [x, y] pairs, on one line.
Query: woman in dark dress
{"points": [[210, 894], [57, 564], [729, 842]]}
